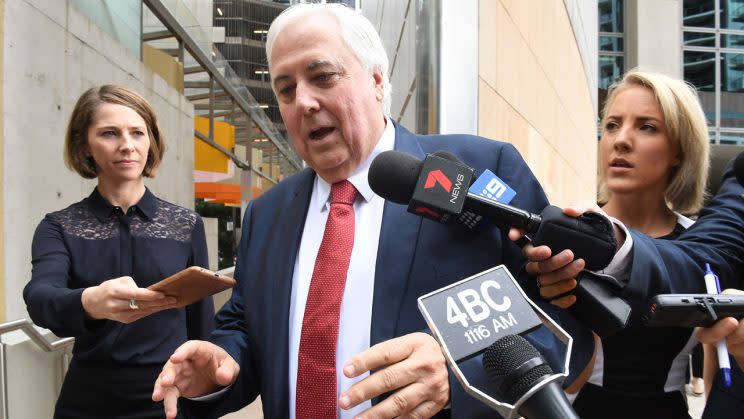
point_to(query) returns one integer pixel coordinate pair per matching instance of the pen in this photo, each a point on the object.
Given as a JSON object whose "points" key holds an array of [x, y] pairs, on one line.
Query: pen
{"points": [[713, 287]]}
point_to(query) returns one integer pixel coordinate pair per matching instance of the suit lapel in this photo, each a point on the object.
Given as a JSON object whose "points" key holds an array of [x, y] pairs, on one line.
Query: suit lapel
{"points": [[294, 212], [398, 237]]}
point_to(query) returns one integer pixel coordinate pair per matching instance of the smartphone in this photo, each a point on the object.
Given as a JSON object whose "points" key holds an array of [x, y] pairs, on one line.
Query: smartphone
{"points": [[192, 284], [692, 310]]}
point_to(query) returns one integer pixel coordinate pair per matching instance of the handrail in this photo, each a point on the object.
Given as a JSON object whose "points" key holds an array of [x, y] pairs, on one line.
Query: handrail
{"points": [[28, 328], [235, 159]]}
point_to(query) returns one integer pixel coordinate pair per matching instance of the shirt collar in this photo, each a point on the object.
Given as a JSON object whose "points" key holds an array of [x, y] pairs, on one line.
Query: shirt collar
{"points": [[102, 209], [359, 177]]}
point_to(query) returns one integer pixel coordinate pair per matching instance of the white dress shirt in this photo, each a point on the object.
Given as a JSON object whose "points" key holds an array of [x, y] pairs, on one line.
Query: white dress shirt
{"points": [[356, 306]]}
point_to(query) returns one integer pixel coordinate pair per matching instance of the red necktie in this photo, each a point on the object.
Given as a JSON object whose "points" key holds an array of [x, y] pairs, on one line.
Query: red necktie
{"points": [[316, 369]]}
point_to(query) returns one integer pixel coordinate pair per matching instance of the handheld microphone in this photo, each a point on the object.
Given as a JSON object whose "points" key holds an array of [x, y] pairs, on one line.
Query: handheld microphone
{"points": [[488, 185], [517, 368], [433, 189], [428, 189]]}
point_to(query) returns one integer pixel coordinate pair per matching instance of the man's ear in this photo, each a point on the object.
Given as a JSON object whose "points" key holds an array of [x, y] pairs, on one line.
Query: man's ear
{"points": [[379, 84]]}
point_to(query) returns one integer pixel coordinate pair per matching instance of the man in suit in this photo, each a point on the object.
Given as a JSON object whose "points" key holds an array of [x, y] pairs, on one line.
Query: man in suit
{"points": [[329, 72]]}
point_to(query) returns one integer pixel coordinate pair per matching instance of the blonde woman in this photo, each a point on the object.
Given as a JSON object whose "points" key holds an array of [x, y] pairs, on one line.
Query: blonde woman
{"points": [[653, 165]]}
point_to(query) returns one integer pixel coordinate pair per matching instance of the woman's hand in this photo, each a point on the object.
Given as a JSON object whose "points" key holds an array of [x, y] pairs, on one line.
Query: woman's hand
{"points": [[120, 299]]}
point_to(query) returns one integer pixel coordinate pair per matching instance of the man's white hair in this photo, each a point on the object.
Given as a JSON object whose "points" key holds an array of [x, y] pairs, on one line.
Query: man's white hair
{"points": [[357, 32]]}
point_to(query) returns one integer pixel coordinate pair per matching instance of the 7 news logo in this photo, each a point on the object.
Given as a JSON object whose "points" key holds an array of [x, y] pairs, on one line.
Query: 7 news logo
{"points": [[441, 189], [438, 177]]}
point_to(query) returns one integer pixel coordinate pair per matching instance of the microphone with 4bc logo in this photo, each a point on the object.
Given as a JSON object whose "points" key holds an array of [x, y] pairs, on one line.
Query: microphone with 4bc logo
{"points": [[489, 312]]}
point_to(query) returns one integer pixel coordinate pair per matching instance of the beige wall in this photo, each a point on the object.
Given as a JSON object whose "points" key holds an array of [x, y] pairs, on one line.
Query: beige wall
{"points": [[533, 92]]}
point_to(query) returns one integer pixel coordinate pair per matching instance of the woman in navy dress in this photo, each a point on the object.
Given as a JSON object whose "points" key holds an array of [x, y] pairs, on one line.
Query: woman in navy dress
{"points": [[653, 166], [93, 261]]}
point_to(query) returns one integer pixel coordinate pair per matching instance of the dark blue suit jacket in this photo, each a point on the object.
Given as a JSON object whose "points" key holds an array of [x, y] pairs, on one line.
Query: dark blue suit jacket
{"points": [[717, 238], [415, 256], [678, 266]]}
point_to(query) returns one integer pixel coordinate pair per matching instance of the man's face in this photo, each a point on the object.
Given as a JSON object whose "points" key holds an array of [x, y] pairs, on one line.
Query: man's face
{"points": [[330, 104]]}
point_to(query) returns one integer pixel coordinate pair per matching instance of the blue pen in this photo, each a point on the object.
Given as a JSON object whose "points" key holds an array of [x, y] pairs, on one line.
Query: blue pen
{"points": [[712, 286]]}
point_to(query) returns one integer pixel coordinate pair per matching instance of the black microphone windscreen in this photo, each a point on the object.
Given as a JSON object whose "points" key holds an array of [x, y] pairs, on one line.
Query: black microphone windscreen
{"points": [[393, 175], [505, 356], [451, 157], [739, 168]]}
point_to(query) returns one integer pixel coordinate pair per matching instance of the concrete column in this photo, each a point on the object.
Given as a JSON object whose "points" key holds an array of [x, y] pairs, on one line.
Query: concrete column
{"points": [[654, 35]]}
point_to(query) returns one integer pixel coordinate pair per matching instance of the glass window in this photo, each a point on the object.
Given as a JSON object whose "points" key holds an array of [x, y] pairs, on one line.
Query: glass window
{"points": [[732, 138], [732, 14], [699, 39], [732, 72], [732, 90], [722, 94], [732, 41], [610, 15], [610, 70], [611, 43], [699, 13], [611, 46], [699, 69]]}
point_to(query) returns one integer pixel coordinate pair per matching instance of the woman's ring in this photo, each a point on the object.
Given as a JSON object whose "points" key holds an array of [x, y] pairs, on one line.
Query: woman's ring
{"points": [[133, 304]]}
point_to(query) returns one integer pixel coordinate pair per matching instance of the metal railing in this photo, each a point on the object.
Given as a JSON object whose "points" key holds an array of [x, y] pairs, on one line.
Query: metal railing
{"points": [[27, 327], [194, 40], [235, 159]]}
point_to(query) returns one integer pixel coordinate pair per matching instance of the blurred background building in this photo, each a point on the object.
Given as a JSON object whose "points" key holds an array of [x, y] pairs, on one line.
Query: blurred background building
{"points": [[529, 72]]}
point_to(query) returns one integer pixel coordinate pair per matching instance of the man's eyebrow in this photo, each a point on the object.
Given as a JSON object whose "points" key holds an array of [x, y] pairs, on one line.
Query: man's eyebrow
{"points": [[317, 64], [279, 79], [314, 65]]}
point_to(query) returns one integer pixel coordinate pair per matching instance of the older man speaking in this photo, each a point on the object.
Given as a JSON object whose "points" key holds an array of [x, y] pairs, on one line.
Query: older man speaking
{"points": [[323, 322]]}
